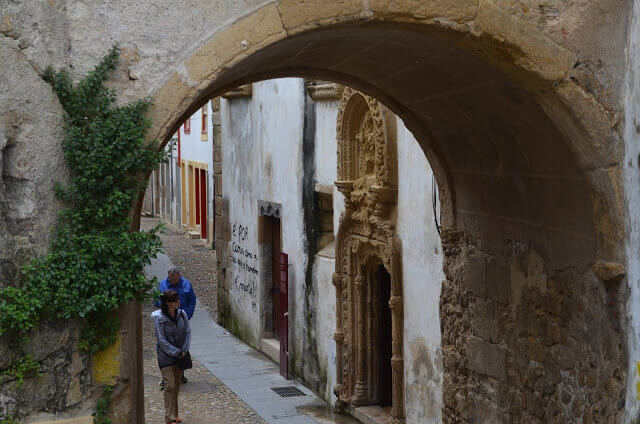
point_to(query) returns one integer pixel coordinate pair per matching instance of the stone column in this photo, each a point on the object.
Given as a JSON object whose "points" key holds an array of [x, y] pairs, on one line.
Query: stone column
{"points": [[338, 335], [221, 225], [397, 363], [360, 395]]}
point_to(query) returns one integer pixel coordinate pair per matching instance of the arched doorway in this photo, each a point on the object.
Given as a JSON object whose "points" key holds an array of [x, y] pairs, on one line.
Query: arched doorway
{"points": [[367, 177]]}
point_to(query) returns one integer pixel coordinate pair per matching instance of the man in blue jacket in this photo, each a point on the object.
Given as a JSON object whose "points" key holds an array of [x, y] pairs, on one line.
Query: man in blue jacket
{"points": [[185, 292]]}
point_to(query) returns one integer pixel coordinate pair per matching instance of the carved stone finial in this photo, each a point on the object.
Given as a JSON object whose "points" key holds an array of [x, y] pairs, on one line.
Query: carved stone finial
{"points": [[336, 279], [395, 303]]}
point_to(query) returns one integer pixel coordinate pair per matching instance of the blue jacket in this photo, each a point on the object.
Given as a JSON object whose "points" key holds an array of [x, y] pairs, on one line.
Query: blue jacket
{"points": [[172, 338], [185, 293]]}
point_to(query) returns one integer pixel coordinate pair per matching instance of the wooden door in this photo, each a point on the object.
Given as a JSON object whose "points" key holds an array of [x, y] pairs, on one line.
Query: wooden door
{"points": [[275, 269], [385, 381], [183, 196], [203, 204], [192, 199], [197, 193], [283, 330]]}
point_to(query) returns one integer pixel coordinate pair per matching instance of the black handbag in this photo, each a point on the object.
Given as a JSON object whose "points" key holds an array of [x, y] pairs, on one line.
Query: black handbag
{"points": [[185, 362]]}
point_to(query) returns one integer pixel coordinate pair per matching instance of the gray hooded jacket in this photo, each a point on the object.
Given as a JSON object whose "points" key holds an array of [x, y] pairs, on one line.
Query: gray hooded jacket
{"points": [[172, 338]]}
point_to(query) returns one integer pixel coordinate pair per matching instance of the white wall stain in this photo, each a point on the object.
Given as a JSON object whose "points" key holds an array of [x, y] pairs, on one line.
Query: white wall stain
{"points": [[262, 160], [422, 275]]}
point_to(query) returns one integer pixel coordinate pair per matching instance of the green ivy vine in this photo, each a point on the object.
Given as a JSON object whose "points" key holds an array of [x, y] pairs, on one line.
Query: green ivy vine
{"points": [[103, 406], [21, 368], [95, 262]]}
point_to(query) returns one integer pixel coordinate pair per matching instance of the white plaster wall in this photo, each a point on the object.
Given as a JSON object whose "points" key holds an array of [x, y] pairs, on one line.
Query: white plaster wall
{"points": [[324, 267], [422, 275], [262, 160], [193, 147], [326, 152], [326, 322], [632, 194]]}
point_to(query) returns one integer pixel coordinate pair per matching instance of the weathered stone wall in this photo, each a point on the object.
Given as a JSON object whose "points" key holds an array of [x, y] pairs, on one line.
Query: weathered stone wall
{"points": [[526, 343], [30, 162]]}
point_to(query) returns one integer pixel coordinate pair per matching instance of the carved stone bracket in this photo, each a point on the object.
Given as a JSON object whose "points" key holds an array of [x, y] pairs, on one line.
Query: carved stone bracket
{"points": [[321, 90], [240, 92]]}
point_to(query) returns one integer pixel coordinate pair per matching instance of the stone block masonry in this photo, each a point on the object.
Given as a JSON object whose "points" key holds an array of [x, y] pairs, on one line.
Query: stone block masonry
{"points": [[526, 352]]}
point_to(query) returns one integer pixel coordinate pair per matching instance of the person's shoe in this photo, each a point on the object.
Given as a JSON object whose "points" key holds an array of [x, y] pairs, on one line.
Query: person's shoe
{"points": [[162, 385], [184, 381], [178, 419]]}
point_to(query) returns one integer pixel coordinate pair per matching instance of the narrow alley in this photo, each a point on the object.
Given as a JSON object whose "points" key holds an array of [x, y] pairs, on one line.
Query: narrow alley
{"points": [[230, 382], [411, 212]]}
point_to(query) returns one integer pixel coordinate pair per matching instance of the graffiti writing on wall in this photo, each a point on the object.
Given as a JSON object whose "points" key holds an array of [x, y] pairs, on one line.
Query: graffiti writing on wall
{"points": [[248, 286], [240, 257], [241, 230], [244, 261], [243, 252]]}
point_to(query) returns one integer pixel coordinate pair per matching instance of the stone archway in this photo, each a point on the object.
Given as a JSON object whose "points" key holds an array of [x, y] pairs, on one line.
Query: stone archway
{"points": [[367, 173], [522, 131], [525, 178]]}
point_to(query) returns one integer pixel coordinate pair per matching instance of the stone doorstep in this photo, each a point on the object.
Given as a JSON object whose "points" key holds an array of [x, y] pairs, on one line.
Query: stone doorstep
{"points": [[271, 348], [194, 234], [79, 420], [371, 414]]}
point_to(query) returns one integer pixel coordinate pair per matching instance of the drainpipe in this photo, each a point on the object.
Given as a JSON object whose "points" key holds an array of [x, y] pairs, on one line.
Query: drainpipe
{"points": [[179, 147]]}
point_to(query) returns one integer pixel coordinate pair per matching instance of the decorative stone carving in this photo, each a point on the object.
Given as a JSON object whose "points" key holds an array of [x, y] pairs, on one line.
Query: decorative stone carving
{"points": [[239, 92], [322, 90], [367, 238], [270, 209]]}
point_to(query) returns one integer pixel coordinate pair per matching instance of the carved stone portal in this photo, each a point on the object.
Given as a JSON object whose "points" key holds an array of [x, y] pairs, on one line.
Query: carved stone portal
{"points": [[366, 242]]}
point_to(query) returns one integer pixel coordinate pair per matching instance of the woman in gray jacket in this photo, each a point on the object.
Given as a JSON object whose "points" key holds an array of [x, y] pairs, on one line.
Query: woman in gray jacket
{"points": [[174, 336]]}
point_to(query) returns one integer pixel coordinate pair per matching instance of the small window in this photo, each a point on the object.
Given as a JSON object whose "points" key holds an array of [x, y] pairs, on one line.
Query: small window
{"points": [[204, 124], [187, 126], [324, 208]]}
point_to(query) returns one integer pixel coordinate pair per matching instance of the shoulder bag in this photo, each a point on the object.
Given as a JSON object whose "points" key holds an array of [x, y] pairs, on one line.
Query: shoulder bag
{"points": [[185, 362]]}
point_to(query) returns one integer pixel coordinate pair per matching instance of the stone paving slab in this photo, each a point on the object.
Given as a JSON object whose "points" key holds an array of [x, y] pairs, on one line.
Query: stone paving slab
{"points": [[250, 376]]}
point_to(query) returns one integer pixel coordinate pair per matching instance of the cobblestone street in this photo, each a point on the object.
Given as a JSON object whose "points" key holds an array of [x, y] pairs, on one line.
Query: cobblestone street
{"points": [[204, 399], [195, 259]]}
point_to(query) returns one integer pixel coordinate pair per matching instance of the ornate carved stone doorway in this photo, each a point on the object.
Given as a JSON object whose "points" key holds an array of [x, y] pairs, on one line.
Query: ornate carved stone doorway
{"points": [[367, 245]]}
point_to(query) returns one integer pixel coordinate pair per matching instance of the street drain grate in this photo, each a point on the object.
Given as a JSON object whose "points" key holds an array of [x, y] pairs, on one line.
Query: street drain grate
{"points": [[288, 391], [200, 248]]}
